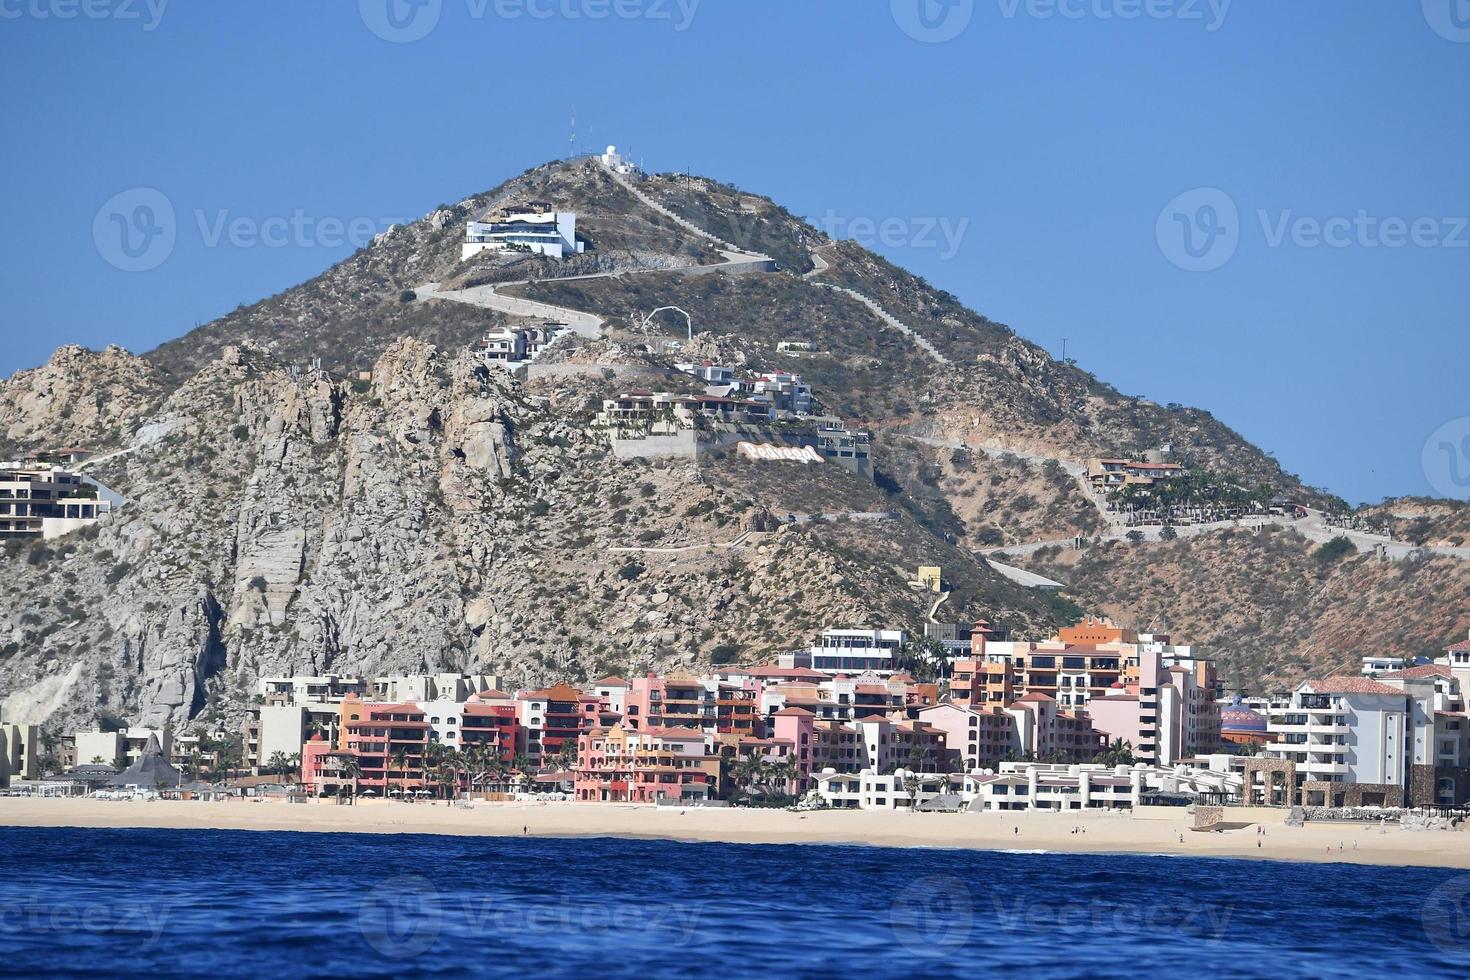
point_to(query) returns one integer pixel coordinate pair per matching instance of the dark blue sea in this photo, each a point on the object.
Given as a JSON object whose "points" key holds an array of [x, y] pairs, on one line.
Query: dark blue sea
{"points": [[155, 903]]}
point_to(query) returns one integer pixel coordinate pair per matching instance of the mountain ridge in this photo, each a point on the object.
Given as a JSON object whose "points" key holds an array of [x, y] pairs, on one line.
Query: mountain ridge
{"points": [[409, 508]]}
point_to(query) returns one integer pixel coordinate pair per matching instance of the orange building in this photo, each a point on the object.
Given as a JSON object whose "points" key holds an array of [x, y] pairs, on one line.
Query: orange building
{"points": [[389, 741], [1094, 630]]}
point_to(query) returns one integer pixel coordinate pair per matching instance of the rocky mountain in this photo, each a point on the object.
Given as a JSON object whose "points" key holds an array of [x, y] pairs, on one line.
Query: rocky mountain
{"points": [[1281, 606], [407, 508], [434, 517]]}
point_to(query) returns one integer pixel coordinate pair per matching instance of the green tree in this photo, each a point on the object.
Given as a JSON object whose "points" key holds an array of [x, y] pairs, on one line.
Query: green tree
{"points": [[352, 769]]}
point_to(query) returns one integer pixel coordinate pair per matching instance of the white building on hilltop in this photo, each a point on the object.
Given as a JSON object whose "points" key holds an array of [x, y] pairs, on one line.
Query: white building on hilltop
{"points": [[535, 228], [613, 160]]}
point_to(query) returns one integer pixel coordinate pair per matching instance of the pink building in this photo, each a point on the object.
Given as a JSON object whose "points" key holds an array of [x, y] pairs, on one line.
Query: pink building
{"points": [[796, 727], [1165, 715], [1045, 731], [982, 736], [650, 766]]}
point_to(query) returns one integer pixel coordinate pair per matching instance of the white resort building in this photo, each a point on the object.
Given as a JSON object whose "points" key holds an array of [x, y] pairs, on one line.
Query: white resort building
{"points": [[535, 228], [45, 502], [1344, 729]]}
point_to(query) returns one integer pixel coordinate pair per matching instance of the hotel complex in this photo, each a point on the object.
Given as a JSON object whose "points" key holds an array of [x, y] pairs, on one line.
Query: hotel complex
{"points": [[1098, 716]]}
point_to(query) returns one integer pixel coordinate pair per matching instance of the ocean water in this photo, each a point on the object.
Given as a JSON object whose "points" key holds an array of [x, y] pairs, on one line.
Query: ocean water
{"points": [[155, 903]]}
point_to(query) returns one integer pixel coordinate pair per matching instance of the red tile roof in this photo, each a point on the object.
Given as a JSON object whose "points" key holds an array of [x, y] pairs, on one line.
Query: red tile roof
{"points": [[610, 681], [674, 732], [1423, 670], [789, 673], [558, 692], [791, 711], [1350, 684]]}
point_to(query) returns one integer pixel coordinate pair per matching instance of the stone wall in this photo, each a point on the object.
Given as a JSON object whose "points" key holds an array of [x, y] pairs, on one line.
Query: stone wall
{"points": [[1275, 774], [1334, 795], [1208, 817], [1424, 785]]}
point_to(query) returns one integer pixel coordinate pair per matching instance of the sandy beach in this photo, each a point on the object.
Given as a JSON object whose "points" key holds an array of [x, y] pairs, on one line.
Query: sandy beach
{"points": [[1151, 831]]}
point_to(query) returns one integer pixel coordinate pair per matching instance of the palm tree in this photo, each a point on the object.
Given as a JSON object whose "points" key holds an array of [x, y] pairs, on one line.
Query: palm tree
{"points": [[952, 767], [783, 774], [278, 764], [400, 762], [352, 769], [912, 783], [1118, 753], [567, 758], [475, 762], [749, 770]]}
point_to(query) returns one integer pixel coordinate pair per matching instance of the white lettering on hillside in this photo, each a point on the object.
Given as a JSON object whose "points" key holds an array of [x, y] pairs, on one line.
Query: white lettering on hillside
{"points": [[787, 454]]}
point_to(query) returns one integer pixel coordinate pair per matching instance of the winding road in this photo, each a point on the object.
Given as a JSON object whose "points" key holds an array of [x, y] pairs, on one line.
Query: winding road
{"points": [[736, 261]]}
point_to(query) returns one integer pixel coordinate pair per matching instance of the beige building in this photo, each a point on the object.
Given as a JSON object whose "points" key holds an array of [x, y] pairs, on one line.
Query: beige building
{"points": [[126, 745], [104, 748], [20, 752]]}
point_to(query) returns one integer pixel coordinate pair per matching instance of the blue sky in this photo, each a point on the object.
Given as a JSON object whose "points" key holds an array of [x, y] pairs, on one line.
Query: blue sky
{"points": [[1067, 147]]}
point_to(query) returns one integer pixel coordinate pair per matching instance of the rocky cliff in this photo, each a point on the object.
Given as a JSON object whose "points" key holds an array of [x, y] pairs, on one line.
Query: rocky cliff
{"points": [[432, 517], [411, 509]]}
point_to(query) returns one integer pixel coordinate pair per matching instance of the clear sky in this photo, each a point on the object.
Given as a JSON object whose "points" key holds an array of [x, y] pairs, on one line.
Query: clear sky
{"points": [[1254, 207]]}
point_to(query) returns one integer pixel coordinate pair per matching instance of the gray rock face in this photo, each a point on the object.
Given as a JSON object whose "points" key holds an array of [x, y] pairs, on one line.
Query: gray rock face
{"points": [[433, 517]]}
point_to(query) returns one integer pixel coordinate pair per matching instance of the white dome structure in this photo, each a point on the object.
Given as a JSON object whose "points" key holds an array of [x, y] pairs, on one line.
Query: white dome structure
{"points": [[613, 160]]}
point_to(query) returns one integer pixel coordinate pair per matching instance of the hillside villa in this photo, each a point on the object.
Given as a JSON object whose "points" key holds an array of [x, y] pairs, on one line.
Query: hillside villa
{"points": [[537, 227]]}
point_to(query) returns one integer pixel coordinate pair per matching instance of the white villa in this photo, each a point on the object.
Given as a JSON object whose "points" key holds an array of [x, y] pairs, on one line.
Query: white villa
{"points": [[842, 651], [514, 346], [45, 501], [1028, 786], [535, 228]]}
